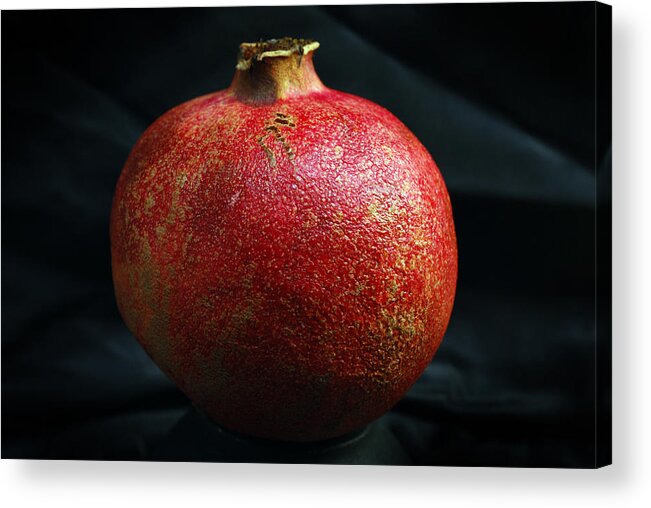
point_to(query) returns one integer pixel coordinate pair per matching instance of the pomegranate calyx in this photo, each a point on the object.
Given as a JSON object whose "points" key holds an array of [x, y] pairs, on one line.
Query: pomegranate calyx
{"points": [[276, 69], [287, 46]]}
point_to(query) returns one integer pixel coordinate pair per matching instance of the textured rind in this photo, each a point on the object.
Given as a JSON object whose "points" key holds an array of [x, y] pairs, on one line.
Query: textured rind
{"points": [[292, 266]]}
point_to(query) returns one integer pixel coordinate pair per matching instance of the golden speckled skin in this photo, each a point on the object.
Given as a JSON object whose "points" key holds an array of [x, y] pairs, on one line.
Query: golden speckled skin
{"points": [[290, 263]]}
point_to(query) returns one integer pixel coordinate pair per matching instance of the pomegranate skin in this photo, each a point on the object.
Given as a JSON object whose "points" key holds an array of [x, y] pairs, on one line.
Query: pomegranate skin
{"points": [[290, 261]]}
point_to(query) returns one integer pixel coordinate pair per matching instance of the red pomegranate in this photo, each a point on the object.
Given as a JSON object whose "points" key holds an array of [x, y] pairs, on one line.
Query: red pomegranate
{"points": [[283, 251]]}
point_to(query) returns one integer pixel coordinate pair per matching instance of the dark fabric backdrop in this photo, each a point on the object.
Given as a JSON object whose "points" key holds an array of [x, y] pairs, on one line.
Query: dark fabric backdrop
{"points": [[502, 95]]}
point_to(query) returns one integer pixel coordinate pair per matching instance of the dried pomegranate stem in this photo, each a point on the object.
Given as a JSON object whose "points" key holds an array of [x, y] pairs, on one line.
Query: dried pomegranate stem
{"points": [[276, 69]]}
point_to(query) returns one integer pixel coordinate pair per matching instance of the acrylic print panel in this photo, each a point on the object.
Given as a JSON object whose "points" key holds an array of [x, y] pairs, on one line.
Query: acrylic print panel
{"points": [[276, 354]]}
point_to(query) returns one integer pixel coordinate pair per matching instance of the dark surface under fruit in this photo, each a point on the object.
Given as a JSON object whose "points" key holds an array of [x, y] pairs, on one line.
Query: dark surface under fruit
{"points": [[505, 108]]}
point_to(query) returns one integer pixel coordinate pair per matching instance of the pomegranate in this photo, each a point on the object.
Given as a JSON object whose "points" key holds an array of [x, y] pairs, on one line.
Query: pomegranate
{"points": [[284, 252]]}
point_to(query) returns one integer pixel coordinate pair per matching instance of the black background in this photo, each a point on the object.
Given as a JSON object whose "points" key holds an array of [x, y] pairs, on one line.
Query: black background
{"points": [[502, 95]]}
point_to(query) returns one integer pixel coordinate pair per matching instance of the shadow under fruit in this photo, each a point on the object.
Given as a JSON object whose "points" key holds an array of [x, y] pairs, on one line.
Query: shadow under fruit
{"points": [[285, 252]]}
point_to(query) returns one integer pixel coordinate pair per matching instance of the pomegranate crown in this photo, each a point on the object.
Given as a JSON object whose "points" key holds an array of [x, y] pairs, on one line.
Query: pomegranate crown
{"points": [[275, 69], [286, 46]]}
